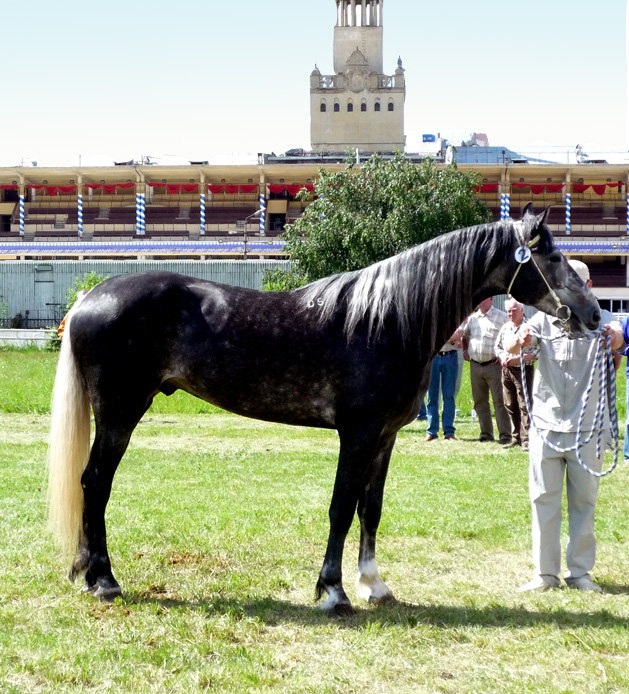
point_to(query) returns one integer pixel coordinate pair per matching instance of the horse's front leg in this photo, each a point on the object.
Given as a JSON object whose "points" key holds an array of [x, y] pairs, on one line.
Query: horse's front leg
{"points": [[369, 585], [356, 453]]}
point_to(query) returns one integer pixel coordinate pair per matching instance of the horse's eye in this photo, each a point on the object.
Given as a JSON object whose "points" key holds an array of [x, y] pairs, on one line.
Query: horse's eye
{"points": [[555, 257]]}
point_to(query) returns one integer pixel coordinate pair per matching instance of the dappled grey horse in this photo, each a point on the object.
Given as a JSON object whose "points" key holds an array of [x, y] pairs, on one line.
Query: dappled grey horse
{"points": [[349, 352]]}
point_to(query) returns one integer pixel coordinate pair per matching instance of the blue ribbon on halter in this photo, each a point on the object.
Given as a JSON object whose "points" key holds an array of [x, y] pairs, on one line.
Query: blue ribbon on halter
{"points": [[607, 395]]}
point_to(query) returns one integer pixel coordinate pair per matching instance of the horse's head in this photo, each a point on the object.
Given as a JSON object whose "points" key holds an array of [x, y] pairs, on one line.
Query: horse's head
{"points": [[546, 280]]}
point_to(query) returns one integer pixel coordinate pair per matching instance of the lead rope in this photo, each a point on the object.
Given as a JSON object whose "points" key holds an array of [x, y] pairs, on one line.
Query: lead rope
{"points": [[607, 396]]}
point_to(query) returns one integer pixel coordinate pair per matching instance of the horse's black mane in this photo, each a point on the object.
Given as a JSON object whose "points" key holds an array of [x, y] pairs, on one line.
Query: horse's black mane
{"points": [[415, 285]]}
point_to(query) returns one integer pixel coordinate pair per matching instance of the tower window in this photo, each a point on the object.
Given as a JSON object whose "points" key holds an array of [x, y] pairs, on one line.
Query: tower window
{"points": [[350, 107], [376, 106], [337, 108], [390, 107], [322, 108], [363, 106]]}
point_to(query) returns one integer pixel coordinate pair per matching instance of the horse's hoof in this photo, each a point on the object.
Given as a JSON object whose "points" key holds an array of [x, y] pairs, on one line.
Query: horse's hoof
{"points": [[107, 594], [387, 599], [342, 610], [334, 608]]}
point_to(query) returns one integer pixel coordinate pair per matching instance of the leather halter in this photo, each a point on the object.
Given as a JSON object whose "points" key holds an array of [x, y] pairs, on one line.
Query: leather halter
{"points": [[523, 255]]}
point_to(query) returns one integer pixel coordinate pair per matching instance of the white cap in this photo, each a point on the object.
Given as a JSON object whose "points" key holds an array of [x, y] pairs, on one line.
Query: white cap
{"points": [[581, 269]]}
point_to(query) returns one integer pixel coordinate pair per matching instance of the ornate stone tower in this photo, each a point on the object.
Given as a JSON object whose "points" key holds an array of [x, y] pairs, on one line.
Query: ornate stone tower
{"points": [[358, 106]]}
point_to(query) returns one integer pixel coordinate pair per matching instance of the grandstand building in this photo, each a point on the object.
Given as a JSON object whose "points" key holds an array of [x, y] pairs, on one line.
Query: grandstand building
{"points": [[206, 211]]}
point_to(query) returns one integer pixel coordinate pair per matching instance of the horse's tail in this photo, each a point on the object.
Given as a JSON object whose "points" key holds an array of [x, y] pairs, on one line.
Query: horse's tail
{"points": [[68, 445]]}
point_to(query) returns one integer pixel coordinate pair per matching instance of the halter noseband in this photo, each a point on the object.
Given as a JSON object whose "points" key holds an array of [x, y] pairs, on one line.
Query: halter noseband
{"points": [[523, 255]]}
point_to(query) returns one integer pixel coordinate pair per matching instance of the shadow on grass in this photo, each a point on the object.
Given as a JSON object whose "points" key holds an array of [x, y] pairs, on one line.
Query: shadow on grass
{"points": [[272, 611]]}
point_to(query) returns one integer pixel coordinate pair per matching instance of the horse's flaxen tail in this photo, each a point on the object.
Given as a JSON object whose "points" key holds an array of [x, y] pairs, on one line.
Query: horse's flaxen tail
{"points": [[68, 446]]}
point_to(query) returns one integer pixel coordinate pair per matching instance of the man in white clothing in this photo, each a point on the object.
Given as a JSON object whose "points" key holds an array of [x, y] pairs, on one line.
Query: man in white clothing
{"points": [[561, 379]]}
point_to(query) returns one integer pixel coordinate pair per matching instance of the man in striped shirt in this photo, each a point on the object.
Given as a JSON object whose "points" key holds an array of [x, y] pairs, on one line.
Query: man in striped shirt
{"points": [[479, 348]]}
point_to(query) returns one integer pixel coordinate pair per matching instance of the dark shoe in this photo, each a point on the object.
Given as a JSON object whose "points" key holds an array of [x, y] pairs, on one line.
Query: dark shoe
{"points": [[583, 583], [483, 438], [431, 437], [511, 444], [422, 419], [506, 442], [451, 437]]}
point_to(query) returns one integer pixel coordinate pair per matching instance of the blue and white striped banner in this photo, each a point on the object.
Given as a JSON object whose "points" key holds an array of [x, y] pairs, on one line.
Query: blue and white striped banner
{"points": [[143, 214], [502, 206], [202, 213], [138, 214], [507, 205], [22, 215], [79, 210], [140, 211], [262, 214], [568, 211]]}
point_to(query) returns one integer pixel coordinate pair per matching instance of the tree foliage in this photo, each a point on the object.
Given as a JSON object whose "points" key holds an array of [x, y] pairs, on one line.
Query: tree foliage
{"points": [[86, 282], [363, 215]]}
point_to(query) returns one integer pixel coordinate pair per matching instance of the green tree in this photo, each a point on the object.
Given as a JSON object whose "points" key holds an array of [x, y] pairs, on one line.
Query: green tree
{"points": [[86, 282], [364, 214]]}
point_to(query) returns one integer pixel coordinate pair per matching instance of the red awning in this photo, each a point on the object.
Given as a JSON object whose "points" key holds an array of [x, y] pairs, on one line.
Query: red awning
{"points": [[176, 188], [487, 188], [291, 189], [599, 189], [232, 189], [109, 188], [537, 189], [55, 190]]}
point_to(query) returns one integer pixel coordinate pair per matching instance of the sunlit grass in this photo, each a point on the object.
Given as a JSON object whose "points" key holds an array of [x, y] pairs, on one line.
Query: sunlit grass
{"points": [[217, 530]]}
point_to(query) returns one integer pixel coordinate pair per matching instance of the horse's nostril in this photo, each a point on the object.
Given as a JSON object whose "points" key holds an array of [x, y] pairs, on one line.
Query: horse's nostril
{"points": [[596, 315]]}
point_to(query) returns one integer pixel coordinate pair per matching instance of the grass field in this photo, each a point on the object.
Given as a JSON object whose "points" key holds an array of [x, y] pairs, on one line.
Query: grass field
{"points": [[217, 530]]}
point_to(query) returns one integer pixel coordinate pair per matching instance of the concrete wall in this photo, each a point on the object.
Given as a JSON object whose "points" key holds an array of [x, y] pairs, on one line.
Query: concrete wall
{"points": [[24, 338]]}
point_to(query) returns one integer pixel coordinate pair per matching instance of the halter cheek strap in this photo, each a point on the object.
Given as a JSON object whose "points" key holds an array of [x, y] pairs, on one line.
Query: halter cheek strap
{"points": [[523, 255]]}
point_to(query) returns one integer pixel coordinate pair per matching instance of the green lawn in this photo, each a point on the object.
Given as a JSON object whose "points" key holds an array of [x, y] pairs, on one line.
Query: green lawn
{"points": [[217, 529]]}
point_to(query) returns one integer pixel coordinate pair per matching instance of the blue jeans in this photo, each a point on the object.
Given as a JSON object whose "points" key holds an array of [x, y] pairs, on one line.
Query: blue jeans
{"points": [[442, 377]]}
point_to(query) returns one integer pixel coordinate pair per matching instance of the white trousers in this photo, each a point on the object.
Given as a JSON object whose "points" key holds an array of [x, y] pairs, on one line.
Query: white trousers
{"points": [[546, 474]]}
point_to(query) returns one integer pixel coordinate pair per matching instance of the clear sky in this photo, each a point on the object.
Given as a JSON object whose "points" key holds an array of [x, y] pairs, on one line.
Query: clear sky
{"points": [[201, 79]]}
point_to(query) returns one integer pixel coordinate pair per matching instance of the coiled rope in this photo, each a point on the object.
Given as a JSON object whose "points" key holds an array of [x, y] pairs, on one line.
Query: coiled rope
{"points": [[604, 365]]}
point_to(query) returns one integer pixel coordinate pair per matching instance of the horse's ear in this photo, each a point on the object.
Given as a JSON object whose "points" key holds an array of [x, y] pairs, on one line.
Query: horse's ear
{"points": [[543, 217], [539, 231], [528, 211], [535, 224]]}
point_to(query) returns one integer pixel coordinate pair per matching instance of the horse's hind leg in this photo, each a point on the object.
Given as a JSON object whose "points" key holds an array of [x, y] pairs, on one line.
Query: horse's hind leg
{"points": [[92, 558], [369, 585]]}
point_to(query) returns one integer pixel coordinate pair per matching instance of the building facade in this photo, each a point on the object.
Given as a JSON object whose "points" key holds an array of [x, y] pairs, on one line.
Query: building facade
{"points": [[357, 107]]}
